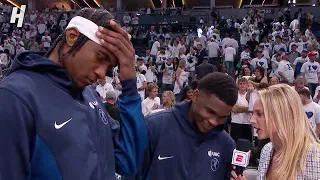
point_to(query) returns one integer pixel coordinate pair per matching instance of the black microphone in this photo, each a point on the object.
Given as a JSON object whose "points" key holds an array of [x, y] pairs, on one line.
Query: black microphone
{"points": [[241, 155]]}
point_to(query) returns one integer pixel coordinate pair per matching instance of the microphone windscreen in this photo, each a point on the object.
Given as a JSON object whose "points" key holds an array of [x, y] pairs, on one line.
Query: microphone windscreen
{"points": [[244, 145]]}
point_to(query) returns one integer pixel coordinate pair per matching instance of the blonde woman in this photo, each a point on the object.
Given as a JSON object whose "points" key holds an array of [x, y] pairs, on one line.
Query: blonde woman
{"points": [[181, 78], [294, 151], [168, 101]]}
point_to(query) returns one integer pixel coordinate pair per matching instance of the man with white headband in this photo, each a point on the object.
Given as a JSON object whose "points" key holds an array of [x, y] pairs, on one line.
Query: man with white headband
{"points": [[53, 125]]}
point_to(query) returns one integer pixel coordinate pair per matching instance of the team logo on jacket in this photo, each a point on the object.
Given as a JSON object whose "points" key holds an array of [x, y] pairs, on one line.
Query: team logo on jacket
{"points": [[93, 104], [214, 161], [214, 164], [103, 117]]}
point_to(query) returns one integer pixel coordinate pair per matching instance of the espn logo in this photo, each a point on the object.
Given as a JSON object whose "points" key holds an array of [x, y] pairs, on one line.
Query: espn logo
{"points": [[240, 158], [20, 16]]}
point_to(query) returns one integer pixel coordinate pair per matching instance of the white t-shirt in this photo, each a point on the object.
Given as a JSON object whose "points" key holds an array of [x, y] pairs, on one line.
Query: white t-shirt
{"points": [[167, 77], [191, 66], [299, 46], [147, 105], [311, 71], [259, 62], [287, 70], [154, 49], [203, 41], [274, 66], [102, 90], [150, 76], [161, 58], [213, 49], [300, 60], [313, 113], [225, 42], [241, 118], [46, 44], [42, 28], [140, 79], [294, 24], [135, 20], [229, 54]]}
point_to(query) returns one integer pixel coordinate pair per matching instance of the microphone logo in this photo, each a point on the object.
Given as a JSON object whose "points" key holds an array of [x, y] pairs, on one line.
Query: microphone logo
{"points": [[240, 158]]}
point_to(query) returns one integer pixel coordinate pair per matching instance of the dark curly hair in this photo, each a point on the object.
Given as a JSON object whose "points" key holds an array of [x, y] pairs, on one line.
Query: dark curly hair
{"points": [[221, 85]]}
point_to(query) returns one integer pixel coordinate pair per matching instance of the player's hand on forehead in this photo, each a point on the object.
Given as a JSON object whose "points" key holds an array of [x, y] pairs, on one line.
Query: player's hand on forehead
{"points": [[118, 42]]}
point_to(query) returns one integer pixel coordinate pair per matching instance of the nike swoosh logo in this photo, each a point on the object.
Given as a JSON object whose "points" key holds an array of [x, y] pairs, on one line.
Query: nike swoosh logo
{"points": [[164, 158], [59, 126]]}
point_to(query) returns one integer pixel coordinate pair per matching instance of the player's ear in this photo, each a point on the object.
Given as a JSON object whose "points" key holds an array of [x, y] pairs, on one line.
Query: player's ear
{"points": [[72, 34]]}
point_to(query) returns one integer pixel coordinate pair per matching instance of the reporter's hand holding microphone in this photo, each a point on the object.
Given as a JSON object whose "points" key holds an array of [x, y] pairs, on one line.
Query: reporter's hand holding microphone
{"points": [[234, 176]]}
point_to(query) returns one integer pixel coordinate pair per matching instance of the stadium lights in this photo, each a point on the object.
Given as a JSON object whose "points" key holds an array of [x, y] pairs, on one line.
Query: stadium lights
{"points": [[96, 3], [76, 3], [11, 2], [87, 3]]}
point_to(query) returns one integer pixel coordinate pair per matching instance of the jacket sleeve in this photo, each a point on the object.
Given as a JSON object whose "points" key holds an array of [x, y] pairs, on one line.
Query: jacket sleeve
{"points": [[15, 131], [132, 137]]}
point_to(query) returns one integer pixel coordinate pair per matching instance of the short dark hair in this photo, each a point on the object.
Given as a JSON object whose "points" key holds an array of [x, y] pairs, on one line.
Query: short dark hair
{"points": [[262, 86], [221, 85], [305, 92], [260, 69]]}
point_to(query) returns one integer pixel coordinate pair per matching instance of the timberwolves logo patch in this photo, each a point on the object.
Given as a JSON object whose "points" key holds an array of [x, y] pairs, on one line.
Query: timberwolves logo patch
{"points": [[103, 116], [214, 164]]}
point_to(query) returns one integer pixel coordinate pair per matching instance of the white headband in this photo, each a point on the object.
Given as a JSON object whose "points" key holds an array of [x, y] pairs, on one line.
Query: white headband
{"points": [[85, 27]]}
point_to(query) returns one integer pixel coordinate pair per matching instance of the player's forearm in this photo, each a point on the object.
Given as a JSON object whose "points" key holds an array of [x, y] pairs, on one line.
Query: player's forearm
{"points": [[132, 138]]}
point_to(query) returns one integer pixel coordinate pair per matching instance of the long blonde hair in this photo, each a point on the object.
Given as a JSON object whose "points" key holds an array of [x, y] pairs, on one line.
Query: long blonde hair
{"points": [[172, 98], [286, 120]]}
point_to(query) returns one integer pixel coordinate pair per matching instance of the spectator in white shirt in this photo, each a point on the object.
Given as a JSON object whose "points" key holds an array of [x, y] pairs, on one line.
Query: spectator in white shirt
{"points": [[312, 110], [191, 62], [141, 84], [213, 52], [285, 70], [103, 87], [259, 61], [152, 102], [135, 19], [229, 56], [311, 71], [155, 48], [19, 48], [42, 27], [46, 39], [240, 125], [299, 61], [279, 45], [225, 41], [234, 42], [294, 24], [126, 19]]}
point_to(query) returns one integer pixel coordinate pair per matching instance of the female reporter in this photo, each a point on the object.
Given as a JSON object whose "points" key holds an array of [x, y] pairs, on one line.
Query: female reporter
{"points": [[294, 150]]}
